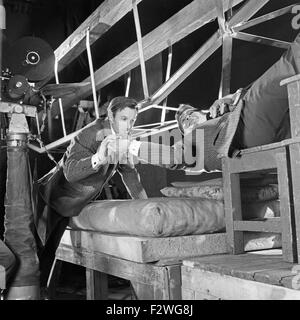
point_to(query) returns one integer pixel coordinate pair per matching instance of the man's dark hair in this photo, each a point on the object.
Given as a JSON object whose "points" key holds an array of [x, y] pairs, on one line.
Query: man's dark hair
{"points": [[120, 103]]}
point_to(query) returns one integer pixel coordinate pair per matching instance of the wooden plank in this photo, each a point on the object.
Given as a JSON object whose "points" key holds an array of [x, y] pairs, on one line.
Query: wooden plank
{"points": [[99, 22], [294, 107], [247, 11], [188, 294], [148, 249], [186, 21], [173, 282], [268, 225], [169, 289], [295, 168], [289, 247], [275, 276], [2, 278], [142, 273], [262, 40], [145, 291], [155, 249], [264, 18], [263, 160], [96, 285], [292, 282], [242, 266], [142, 276], [233, 208], [231, 288]]}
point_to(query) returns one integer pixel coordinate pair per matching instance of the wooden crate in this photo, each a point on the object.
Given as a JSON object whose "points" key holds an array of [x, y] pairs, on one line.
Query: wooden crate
{"points": [[150, 281], [252, 276], [145, 250]]}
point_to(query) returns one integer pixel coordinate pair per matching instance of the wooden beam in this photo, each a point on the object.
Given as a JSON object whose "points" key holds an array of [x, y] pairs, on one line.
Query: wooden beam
{"points": [[264, 18], [247, 12], [223, 287], [199, 57], [262, 40], [192, 17], [100, 21]]}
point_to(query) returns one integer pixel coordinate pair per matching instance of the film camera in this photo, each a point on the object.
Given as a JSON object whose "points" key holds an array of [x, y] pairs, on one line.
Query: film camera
{"points": [[27, 62]]}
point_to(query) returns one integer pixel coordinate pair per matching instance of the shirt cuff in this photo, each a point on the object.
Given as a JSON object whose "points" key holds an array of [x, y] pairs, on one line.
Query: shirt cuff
{"points": [[95, 161], [134, 148]]}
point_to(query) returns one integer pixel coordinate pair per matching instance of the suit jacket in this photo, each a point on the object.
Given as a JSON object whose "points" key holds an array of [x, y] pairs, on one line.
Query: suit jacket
{"points": [[66, 189]]}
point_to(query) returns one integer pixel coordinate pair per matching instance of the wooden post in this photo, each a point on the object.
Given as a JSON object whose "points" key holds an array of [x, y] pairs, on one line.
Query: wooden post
{"points": [[96, 285], [286, 218], [293, 87], [233, 208]]}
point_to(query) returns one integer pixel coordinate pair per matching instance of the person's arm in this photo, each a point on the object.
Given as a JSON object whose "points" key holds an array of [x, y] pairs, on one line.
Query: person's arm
{"points": [[81, 158], [169, 157], [132, 182], [225, 104]]}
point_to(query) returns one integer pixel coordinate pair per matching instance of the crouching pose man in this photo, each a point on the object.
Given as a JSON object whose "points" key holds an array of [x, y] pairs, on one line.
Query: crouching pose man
{"points": [[91, 160]]}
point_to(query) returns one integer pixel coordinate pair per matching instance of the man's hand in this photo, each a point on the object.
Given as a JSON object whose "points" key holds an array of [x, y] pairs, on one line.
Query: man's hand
{"points": [[105, 151], [221, 106], [119, 147], [192, 120]]}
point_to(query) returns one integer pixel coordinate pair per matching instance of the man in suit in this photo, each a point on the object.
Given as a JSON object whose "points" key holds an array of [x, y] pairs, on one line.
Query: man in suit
{"points": [[90, 161]]}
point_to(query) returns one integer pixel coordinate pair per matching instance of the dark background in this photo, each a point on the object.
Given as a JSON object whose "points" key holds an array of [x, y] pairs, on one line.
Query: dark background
{"points": [[55, 20]]}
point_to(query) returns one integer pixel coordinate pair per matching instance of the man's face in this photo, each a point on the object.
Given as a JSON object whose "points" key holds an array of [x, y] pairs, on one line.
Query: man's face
{"points": [[124, 120]]}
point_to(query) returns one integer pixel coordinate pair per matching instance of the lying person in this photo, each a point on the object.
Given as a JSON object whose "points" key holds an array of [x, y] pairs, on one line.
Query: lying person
{"points": [[251, 117]]}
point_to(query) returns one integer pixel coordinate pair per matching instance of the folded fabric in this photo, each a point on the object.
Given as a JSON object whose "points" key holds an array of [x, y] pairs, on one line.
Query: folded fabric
{"points": [[155, 217], [185, 184], [261, 210], [216, 193], [246, 180]]}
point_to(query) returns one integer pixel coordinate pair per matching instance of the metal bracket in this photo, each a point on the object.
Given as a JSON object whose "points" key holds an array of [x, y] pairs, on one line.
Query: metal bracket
{"points": [[18, 124]]}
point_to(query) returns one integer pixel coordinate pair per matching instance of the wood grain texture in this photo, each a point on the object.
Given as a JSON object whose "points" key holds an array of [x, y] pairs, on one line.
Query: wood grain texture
{"points": [[148, 280], [287, 218], [99, 22], [231, 288], [167, 249], [294, 107], [192, 17], [2, 278], [295, 168], [266, 266], [233, 207], [147, 249], [96, 285]]}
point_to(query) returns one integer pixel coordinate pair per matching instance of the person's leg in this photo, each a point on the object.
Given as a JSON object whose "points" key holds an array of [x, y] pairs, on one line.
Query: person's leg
{"points": [[7, 259], [265, 116]]}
